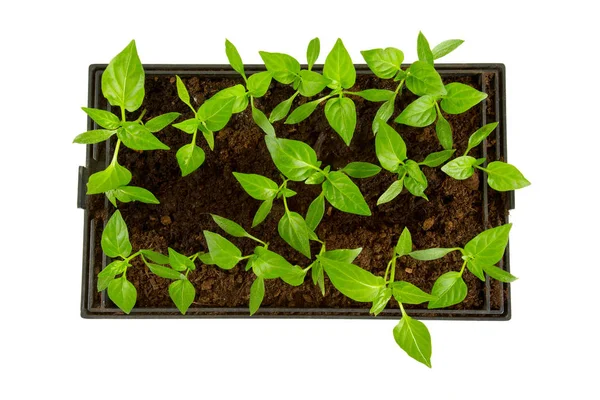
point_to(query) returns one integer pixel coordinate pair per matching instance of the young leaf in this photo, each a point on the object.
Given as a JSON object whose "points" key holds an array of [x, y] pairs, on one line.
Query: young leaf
{"points": [[407, 293], [341, 115], [343, 255], [262, 121], [391, 193], [438, 158], [222, 252], [283, 67], [294, 276], [164, 272], [183, 93], [257, 294], [95, 136], [159, 123], [351, 280], [182, 293], [189, 126], [296, 160], [382, 299], [487, 248], [413, 337], [448, 289], [443, 131], [138, 137], [315, 212], [108, 274], [318, 276], [499, 274], [431, 254], [111, 178], [389, 147], [419, 113], [423, 79], [460, 98], [234, 58], [302, 112], [423, 50], [339, 67], [480, 134], [127, 194], [312, 52], [293, 229], [270, 265], [209, 136], [476, 269], [404, 245], [103, 118], [216, 113], [445, 48], [190, 157], [123, 80], [415, 187], [262, 212], [361, 169], [282, 109], [375, 95], [385, 63], [180, 262], [257, 186], [155, 257], [115, 237], [316, 178], [258, 83], [414, 171], [460, 168], [344, 195], [384, 113], [229, 226], [312, 83], [122, 293], [504, 177], [238, 93]]}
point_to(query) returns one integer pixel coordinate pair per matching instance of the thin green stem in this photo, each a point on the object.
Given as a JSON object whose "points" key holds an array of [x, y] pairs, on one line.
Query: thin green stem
{"points": [[139, 119], [116, 153], [194, 256], [481, 168], [402, 309], [123, 119], [258, 240], [463, 267], [393, 273], [399, 88], [387, 270]]}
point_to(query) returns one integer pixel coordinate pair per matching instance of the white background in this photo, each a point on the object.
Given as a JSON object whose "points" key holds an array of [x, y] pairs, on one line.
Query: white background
{"points": [[548, 350]]}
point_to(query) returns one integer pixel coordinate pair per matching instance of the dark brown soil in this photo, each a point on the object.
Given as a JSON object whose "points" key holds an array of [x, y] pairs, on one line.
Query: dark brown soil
{"points": [[451, 217]]}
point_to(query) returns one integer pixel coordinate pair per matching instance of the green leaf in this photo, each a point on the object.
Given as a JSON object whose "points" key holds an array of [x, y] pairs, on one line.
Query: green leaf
{"points": [[391, 193], [222, 252], [431, 254], [448, 289], [123, 79], [460, 98], [302, 112], [257, 294], [180, 262], [423, 50], [182, 293], [159, 123], [312, 52], [504, 177], [257, 186], [115, 237], [189, 126], [389, 147], [206, 258], [499, 274], [293, 229], [209, 136], [479, 135], [361, 169], [262, 121], [414, 171], [284, 68], [407, 293], [318, 276], [229, 226], [103, 118], [384, 113], [460, 168], [445, 48], [237, 93], [234, 58], [382, 299], [127, 194], [316, 178], [344, 195], [109, 272], [270, 265], [443, 131], [375, 95], [183, 93], [282, 109], [419, 113], [262, 212], [285, 192], [190, 157], [341, 115], [95, 136], [438, 158], [295, 276], [351, 280], [112, 177], [122, 293], [164, 272], [296, 160], [258, 83], [423, 79], [339, 67], [155, 257], [476, 269], [415, 188], [216, 113], [343, 255], [312, 83], [487, 248], [315, 212], [138, 137], [384, 63], [413, 337], [404, 245]]}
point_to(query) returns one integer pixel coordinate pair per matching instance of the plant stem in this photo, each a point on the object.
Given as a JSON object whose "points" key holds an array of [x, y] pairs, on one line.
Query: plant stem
{"points": [[399, 88], [393, 273], [123, 119], [387, 270], [141, 116], [402, 309], [116, 153], [463, 267]]}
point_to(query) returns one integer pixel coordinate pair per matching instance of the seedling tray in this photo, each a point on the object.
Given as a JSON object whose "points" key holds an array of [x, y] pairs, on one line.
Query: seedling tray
{"points": [[489, 76]]}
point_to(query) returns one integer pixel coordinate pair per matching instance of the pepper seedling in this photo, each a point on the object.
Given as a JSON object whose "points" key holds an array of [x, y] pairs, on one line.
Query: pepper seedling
{"points": [[123, 86], [391, 153], [211, 116], [500, 175]]}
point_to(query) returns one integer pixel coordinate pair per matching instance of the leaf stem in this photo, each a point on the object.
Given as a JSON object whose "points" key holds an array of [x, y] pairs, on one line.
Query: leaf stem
{"points": [[399, 88], [116, 153], [393, 273], [123, 119], [463, 267], [141, 116], [402, 309], [387, 270]]}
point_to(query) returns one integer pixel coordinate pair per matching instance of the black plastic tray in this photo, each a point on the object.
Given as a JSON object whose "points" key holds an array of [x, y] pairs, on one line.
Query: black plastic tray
{"points": [[91, 308]]}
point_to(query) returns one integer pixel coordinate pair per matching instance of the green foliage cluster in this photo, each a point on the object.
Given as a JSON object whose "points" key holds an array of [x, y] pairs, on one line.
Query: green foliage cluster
{"points": [[123, 86]]}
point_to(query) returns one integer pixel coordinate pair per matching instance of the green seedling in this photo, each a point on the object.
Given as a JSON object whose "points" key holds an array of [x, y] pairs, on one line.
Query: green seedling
{"points": [[391, 152], [500, 175], [123, 86]]}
